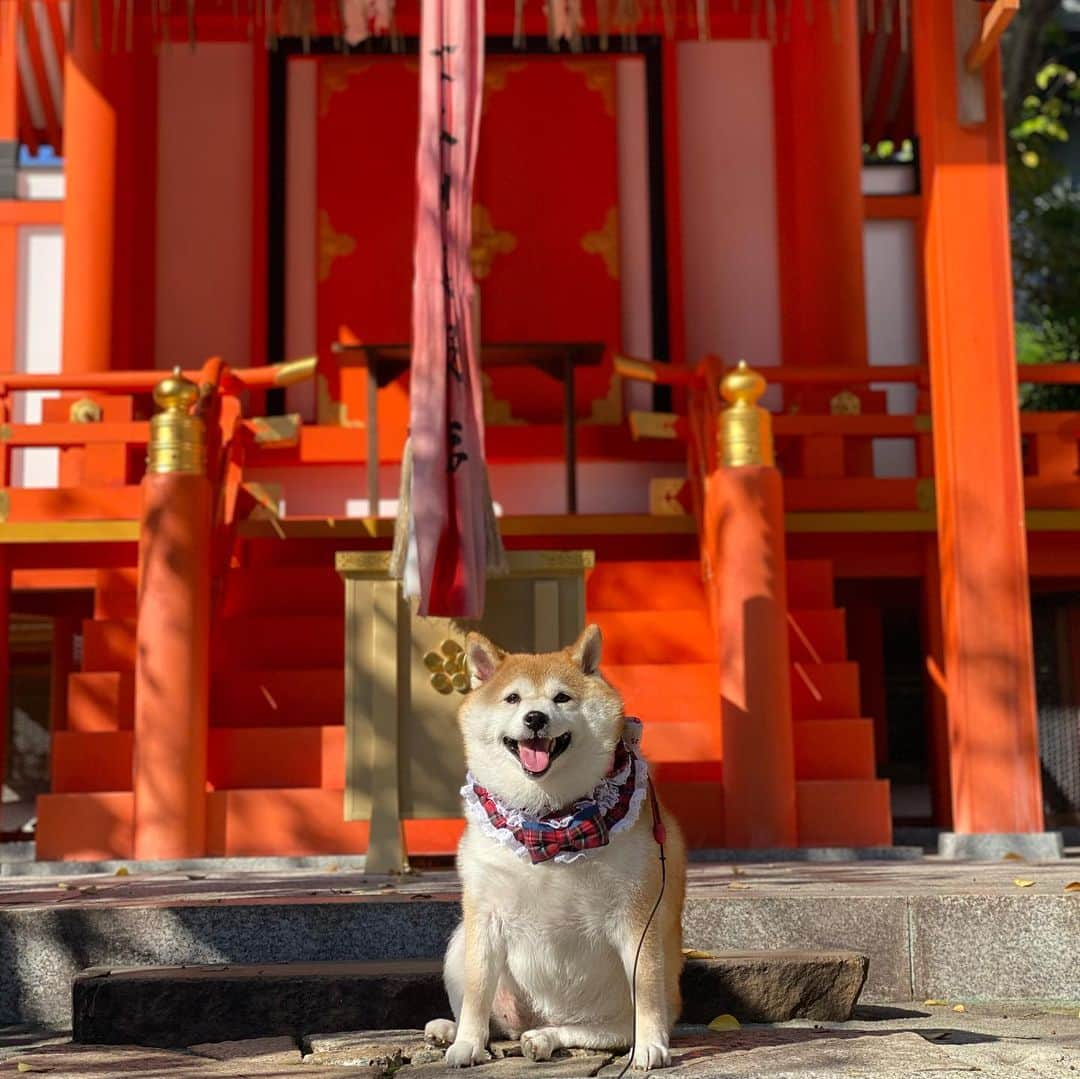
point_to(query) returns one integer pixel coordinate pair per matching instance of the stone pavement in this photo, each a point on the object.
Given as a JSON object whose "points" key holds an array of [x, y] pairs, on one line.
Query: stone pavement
{"points": [[917, 1041]]}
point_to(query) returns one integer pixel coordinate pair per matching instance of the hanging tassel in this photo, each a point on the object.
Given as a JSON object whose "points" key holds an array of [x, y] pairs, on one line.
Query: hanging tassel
{"points": [[755, 11], [703, 20], [575, 24], [888, 16], [519, 24], [905, 26], [114, 36], [871, 16], [129, 35], [667, 12], [95, 18], [770, 21], [785, 23], [603, 22], [554, 21]]}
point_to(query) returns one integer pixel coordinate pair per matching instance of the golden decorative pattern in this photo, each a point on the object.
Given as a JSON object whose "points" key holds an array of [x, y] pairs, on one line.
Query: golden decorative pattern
{"points": [[448, 668], [608, 410], [845, 403], [488, 242], [605, 243], [332, 245], [330, 411], [599, 75], [496, 75], [334, 76], [85, 410], [496, 410]]}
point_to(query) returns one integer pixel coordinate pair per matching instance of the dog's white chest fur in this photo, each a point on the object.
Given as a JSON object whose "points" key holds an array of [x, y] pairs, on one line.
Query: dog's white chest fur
{"points": [[560, 927]]}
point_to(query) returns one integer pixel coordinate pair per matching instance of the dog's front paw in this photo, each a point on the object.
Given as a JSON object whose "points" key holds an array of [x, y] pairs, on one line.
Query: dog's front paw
{"points": [[650, 1055], [537, 1045], [464, 1054], [441, 1032]]}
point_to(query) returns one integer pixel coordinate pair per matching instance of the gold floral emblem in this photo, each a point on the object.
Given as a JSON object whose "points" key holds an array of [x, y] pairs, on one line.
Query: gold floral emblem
{"points": [[332, 245], [447, 667], [488, 242], [845, 403], [605, 243], [599, 76], [334, 76], [496, 74]]}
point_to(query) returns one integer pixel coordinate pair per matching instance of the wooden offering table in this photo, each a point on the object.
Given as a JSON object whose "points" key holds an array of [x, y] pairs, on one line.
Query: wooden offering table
{"points": [[384, 363]]}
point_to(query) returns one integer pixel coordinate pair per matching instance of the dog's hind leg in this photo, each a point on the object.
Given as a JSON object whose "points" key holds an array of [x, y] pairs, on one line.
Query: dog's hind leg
{"points": [[539, 1044]]}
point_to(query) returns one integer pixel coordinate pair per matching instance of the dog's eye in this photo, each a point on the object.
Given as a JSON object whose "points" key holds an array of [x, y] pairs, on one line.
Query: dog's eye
{"points": [[512, 698], [561, 698]]}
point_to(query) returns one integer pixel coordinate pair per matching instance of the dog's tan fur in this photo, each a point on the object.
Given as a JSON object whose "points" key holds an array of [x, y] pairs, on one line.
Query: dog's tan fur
{"points": [[545, 952]]}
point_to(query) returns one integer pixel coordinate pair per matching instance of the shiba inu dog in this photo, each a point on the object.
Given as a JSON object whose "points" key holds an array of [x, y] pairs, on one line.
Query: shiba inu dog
{"points": [[561, 868]]}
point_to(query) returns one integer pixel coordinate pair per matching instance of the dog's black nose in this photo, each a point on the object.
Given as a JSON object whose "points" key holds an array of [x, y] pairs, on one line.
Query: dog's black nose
{"points": [[536, 721]]}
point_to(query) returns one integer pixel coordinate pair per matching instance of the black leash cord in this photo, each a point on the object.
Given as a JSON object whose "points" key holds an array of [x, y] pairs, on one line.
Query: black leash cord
{"points": [[637, 956]]}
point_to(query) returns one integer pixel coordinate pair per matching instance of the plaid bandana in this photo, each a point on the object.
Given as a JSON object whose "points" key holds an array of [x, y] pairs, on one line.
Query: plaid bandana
{"points": [[589, 824]]}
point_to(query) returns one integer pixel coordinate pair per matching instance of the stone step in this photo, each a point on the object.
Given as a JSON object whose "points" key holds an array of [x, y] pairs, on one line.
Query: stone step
{"points": [[173, 1007]]}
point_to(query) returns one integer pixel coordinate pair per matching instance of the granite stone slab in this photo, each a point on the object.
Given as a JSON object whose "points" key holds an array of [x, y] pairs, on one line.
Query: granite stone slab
{"points": [[1021, 947], [43, 949], [179, 1006], [874, 926], [190, 1005], [770, 987]]}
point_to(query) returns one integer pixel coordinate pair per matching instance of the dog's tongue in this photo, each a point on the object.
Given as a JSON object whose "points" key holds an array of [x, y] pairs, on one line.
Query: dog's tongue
{"points": [[535, 754]]}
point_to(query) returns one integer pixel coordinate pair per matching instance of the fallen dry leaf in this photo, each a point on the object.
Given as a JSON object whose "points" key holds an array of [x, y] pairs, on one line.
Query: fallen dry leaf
{"points": [[1021, 883], [724, 1022], [1012, 856], [123, 871], [959, 1008], [935, 1003], [1073, 886], [693, 953]]}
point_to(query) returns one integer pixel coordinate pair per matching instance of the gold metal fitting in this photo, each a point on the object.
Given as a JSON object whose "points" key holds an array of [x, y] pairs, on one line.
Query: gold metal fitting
{"points": [[745, 427], [85, 410], [177, 438], [292, 371]]}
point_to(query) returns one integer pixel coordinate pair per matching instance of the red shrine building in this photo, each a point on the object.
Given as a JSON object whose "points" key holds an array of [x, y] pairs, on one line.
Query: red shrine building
{"points": [[667, 189]]}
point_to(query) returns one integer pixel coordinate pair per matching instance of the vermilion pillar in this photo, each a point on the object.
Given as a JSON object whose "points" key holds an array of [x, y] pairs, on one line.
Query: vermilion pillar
{"points": [[9, 73], [986, 621], [90, 144], [818, 125], [745, 531], [172, 661]]}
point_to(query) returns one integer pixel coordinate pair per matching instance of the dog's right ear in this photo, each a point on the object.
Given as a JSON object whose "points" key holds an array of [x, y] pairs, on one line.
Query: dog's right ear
{"points": [[484, 657]]}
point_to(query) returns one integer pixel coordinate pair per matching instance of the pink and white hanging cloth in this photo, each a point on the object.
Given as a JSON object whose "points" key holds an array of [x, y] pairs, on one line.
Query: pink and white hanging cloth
{"points": [[451, 535]]}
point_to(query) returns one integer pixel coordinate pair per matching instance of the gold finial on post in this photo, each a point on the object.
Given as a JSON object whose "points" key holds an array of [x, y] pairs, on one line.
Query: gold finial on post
{"points": [[177, 438], [745, 427]]}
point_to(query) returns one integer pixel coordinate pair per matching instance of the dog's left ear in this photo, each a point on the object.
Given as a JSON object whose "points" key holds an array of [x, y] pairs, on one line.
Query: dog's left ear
{"points": [[585, 651], [484, 657]]}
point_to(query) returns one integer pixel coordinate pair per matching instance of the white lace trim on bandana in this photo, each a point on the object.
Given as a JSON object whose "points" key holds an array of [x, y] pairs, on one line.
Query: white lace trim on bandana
{"points": [[605, 796]]}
